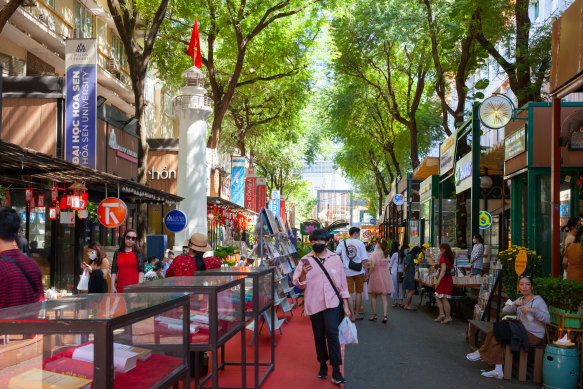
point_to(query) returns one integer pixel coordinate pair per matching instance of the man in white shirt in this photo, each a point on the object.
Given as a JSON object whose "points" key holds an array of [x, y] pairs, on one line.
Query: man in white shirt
{"points": [[353, 249]]}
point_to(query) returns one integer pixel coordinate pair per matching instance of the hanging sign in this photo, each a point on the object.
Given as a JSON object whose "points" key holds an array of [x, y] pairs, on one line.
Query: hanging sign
{"points": [[238, 180], [67, 217], [112, 212], [28, 194], [399, 199], [261, 193], [53, 213], [175, 220], [41, 201], [81, 74], [520, 262], [250, 189], [485, 220], [54, 195]]}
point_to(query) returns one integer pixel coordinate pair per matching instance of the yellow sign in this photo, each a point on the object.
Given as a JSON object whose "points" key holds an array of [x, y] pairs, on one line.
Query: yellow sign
{"points": [[520, 263]]}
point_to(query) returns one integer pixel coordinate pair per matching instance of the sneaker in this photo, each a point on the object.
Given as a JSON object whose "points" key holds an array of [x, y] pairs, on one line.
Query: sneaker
{"points": [[493, 374], [475, 356], [337, 377], [323, 373]]}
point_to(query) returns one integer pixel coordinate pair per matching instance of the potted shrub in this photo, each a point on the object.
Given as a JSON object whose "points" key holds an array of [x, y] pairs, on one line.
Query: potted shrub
{"points": [[563, 297], [509, 277]]}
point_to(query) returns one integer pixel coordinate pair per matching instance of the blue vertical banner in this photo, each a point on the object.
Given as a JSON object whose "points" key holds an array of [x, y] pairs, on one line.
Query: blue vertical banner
{"points": [[238, 180], [275, 203], [81, 74]]}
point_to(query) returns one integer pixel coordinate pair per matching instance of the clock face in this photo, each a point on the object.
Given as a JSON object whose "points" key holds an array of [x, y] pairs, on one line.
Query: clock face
{"points": [[496, 111]]}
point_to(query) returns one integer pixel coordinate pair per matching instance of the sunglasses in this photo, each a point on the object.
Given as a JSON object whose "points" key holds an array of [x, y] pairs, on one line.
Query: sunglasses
{"points": [[131, 237]]}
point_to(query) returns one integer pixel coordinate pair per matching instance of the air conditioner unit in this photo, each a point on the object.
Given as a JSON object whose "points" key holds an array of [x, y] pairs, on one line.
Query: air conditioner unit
{"points": [[112, 66]]}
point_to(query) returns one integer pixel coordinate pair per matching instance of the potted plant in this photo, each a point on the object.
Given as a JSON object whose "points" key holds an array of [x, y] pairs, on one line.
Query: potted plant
{"points": [[229, 255], [563, 297], [509, 277]]}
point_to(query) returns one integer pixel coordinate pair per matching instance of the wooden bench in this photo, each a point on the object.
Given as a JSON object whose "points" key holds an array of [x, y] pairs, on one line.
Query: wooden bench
{"points": [[537, 353], [477, 329]]}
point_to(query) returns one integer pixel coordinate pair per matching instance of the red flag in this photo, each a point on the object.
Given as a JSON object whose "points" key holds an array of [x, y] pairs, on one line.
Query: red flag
{"points": [[194, 46]]}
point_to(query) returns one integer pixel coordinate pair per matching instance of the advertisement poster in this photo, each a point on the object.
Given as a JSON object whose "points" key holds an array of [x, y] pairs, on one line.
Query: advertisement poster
{"points": [[238, 181], [81, 74], [261, 193], [251, 190]]}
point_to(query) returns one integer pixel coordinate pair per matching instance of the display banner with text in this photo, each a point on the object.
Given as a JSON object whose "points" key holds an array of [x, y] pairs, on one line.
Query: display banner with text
{"points": [[238, 181], [251, 190], [274, 203], [261, 193], [81, 74], [282, 208]]}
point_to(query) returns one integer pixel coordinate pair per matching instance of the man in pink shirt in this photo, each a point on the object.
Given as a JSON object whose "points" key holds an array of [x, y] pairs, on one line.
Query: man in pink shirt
{"points": [[321, 301]]}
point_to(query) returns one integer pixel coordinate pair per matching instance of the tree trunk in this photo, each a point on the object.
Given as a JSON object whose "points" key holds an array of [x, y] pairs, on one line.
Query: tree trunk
{"points": [[414, 150], [7, 11]]}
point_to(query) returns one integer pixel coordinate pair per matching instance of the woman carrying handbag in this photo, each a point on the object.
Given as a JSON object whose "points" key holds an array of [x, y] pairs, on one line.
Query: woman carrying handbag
{"points": [[321, 275]]}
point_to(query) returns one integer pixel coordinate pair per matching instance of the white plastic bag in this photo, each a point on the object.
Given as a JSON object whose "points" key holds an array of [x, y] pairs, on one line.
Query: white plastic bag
{"points": [[347, 332], [84, 281], [365, 291]]}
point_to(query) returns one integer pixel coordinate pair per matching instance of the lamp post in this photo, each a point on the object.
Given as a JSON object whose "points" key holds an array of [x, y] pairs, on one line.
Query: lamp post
{"points": [[192, 108]]}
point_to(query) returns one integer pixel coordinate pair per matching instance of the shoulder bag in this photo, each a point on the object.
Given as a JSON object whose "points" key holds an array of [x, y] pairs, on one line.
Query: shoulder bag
{"points": [[341, 302], [25, 274], [351, 264]]}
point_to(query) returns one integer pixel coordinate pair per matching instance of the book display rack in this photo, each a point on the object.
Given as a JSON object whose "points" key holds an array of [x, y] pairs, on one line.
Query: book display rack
{"points": [[217, 313], [95, 341]]}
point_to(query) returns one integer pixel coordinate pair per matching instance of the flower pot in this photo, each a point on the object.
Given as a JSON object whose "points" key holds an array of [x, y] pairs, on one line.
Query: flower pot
{"points": [[565, 319]]}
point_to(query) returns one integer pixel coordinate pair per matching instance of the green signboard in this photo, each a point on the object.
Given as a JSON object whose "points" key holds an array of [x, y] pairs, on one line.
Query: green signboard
{"points": [[515, 143]]}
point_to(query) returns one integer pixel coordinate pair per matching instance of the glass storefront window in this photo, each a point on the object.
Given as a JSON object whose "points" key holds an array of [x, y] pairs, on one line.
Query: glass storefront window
{"points": [[448, 222], [565, 210], [83, 21], [426, 216]]}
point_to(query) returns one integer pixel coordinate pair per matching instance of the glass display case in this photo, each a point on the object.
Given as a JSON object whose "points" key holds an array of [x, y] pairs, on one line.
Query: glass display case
{"points": [[217, 313], [95, 341], [258, 299]]}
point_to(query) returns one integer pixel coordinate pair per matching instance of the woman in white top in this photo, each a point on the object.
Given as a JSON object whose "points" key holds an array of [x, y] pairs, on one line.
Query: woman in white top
{"points": [[396, 266]]}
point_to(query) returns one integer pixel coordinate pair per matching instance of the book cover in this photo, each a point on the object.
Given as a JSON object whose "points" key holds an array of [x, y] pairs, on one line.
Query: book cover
{"points": [[72, 367], [41, 379], [143, 353], [123, 360]]}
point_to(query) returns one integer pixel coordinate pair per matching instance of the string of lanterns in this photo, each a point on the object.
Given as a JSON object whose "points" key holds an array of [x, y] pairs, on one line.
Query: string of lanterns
{"points": [[226, 217]]}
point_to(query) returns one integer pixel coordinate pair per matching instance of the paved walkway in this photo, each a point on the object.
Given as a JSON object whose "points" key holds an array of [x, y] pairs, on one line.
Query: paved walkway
{"points": [[412, 351]]}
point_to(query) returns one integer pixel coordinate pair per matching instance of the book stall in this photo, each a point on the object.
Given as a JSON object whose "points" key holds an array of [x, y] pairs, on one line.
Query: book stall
{"points": [[428, 270], [96, 341], [217, 314]]}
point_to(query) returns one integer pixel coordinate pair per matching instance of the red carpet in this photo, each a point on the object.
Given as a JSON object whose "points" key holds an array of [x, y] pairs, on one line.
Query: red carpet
{"points": [[295, 357]]}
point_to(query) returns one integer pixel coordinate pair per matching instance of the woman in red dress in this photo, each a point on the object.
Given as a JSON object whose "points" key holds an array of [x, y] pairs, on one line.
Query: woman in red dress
{"points": [[187, 264], [128, 263], [444, 284]]}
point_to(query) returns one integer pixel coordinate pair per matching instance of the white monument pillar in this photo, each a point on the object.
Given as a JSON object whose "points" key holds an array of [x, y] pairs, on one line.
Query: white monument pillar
{"points": [[192, 109]]}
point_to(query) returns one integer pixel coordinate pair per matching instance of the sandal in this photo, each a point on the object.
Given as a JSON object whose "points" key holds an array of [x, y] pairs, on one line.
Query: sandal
{"points": [[446, 321], [395, 305], [439, 318], [384, 320], [373, 318], [410, 309]]}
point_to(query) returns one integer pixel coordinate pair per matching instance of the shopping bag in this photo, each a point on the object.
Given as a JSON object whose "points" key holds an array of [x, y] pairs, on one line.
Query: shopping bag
{"points": [[84, 281], [347, 332], [365, 291]]}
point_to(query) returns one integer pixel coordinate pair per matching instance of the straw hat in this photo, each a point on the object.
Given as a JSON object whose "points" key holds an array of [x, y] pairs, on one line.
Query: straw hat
{"points": [[198, 242]]}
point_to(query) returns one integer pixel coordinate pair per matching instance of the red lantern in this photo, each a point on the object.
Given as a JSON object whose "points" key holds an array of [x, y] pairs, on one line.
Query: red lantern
{"points": [[63, 204], [41, 200], [28, 194]]}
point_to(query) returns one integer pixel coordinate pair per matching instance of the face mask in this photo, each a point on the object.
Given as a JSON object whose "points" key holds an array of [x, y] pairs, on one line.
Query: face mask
{"points": [[92, 256], [318, 247]]}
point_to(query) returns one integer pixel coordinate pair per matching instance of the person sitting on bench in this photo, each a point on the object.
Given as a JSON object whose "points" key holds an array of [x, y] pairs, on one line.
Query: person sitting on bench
{"points": [[533, 314]]}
